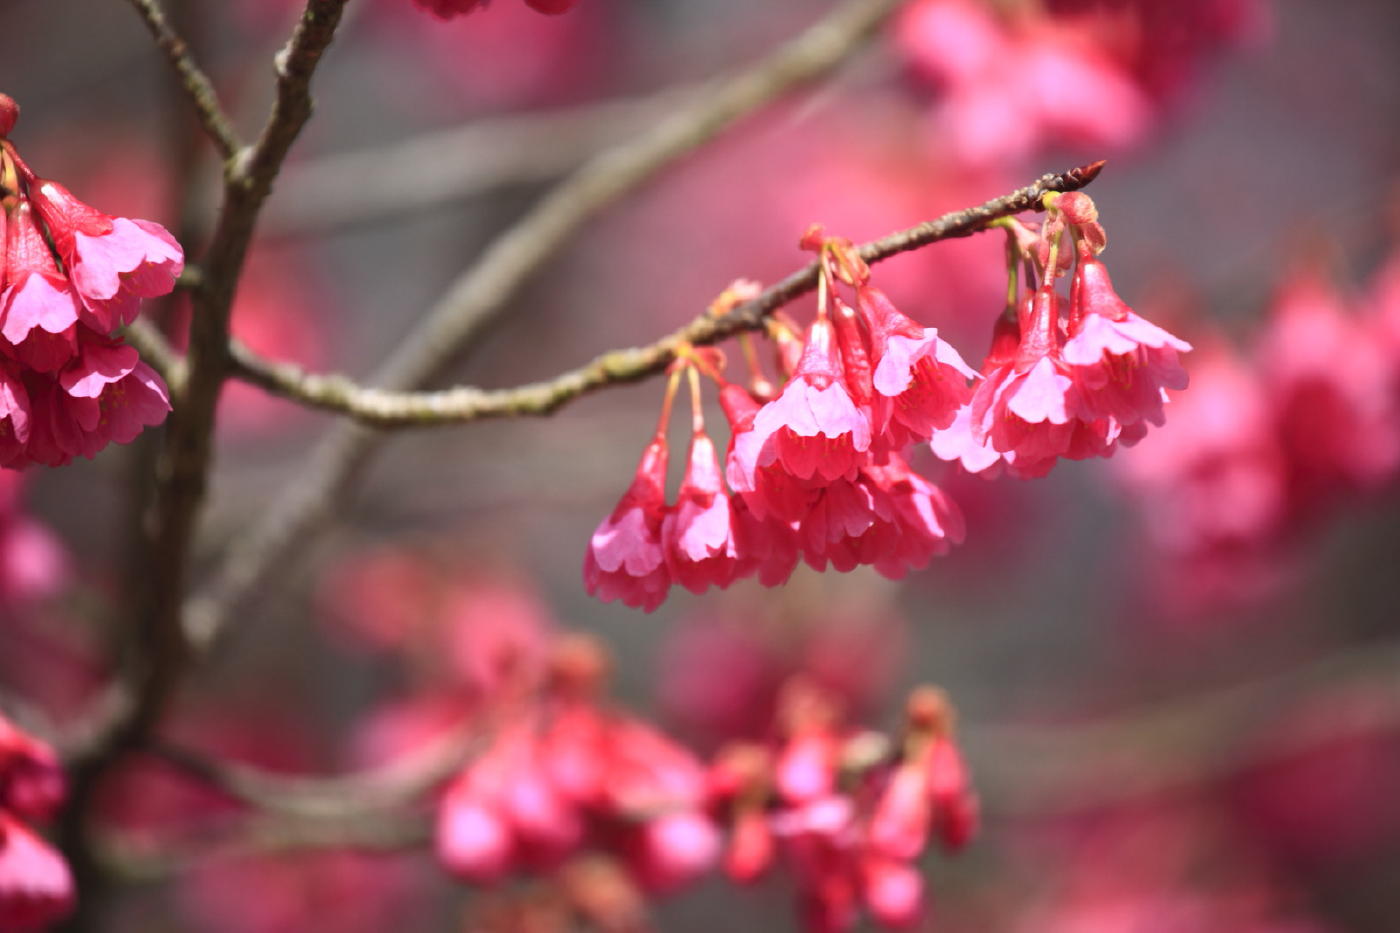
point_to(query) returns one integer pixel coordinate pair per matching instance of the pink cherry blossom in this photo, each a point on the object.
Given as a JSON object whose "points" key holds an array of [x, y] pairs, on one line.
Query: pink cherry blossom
{"points": [[38, 308], [626, 557], [813, 429], [701, 530], [112, 262], [923, 375], [1123, 363]]}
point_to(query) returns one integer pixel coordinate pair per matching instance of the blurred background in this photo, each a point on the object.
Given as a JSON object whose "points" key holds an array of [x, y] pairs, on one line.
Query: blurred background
{"points": [[1176, 672]]}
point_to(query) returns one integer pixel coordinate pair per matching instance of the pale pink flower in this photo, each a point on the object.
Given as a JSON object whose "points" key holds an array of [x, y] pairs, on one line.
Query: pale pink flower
{"points": [[701, 531], [38, 308], [113, 262], [814, 428], [626, 558], [1123, 363], [923, 376]]}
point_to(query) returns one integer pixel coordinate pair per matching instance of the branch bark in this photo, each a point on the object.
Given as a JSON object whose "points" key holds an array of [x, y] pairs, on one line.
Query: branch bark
{"points": [[196, 83], [382, 408]]}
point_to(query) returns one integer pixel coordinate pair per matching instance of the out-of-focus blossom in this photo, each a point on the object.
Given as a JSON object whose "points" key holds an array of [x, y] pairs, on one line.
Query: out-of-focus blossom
{"points": [[1014, 81], [564, 773], [1325, 376], [36, 888], [848, 824]]}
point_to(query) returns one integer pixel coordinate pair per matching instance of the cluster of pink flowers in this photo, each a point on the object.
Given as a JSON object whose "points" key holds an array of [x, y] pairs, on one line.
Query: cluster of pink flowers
{"points": [[1063, 379], [1271, 440], [36, 888], [850, 815], [447, 9], [817, 470], [563, 773], [1015, 80], [71, 275]]}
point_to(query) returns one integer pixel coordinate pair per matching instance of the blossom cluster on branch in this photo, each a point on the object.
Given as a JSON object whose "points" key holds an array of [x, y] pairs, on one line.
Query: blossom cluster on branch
{"points": [[70, 276], [817, 467]]}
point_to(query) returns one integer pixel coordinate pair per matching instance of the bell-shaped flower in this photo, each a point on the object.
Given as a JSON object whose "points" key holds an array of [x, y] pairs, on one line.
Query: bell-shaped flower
{"points": [[1123, 364], [626, 557], [700, 531], [926, 379], [113, 262], [814, 430]]}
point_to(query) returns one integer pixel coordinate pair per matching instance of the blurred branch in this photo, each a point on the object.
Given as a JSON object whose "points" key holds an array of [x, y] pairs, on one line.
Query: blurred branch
{"points": [[1043, 770], [143, 861], [481, 293], [351, 797], [157, 351], [438, 167], [384, 409], [196, 83]]}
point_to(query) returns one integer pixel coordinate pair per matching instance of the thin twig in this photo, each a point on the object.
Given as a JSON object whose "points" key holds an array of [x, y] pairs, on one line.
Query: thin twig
{"points": [[196, 83], [350, 797], [385, 409], [481, 293]]}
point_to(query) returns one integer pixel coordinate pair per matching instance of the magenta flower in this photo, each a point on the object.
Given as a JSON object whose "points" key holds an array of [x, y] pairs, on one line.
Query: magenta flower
{"points": [[626, 557], [770, 493], [814, 429], [36, 888], [70, 275], [113, 262], [925, 378], [1123, 363], [1028, 404], [700, 530], [38, 308]]}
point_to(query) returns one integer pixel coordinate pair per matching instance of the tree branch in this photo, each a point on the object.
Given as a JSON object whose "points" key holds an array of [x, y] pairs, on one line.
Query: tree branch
{"points": [[351, 797], [481, 293], [196, 83], [157, 646], [385, 409]]}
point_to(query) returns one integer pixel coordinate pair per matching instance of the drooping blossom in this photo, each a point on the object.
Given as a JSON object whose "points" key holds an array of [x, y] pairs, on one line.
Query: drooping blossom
{"points": [[626, 557], [113, 262], [813, 429], [849, 828], [70, 275], [923, 376], [701, 531], [1123, 364], [1029, 405]]}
